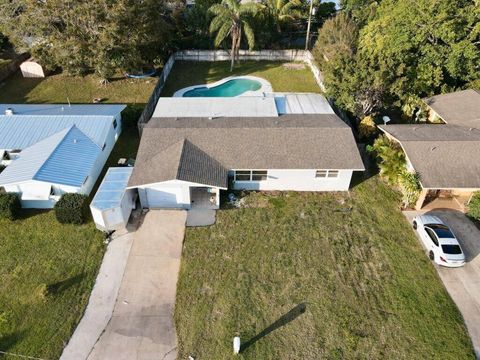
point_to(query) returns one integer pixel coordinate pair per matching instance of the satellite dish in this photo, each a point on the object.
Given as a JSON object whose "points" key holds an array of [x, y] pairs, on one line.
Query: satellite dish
{"points": [[386, 120]]}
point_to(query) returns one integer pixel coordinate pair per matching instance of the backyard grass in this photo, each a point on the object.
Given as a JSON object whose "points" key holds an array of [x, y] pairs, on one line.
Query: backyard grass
{"points": [[47, 271], [58, 88], [186, 73], [314, 276]]}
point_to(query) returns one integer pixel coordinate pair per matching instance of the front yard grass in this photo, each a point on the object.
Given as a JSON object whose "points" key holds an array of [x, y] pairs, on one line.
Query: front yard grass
{"points": [[47, 271], [187, 73], [351, 260]]}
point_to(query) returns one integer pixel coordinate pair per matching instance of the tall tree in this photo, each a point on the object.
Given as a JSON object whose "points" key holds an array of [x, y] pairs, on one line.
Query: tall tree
{"points": [[231, 17], [81, 36], [282, 11]]}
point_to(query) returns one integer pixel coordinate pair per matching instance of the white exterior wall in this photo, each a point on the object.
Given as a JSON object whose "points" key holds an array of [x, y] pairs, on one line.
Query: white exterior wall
{"points": [[179, 189], [115, 218], [112, 138], [298, 180]]}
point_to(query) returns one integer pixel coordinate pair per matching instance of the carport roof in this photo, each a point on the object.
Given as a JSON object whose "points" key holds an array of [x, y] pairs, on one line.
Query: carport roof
{"points": [[210, 147]]}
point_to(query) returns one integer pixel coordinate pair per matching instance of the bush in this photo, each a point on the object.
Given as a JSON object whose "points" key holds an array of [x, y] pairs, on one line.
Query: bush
{"points": [[367, 127], [72, 209], [9, 206], [474, 206], [410, 187]]}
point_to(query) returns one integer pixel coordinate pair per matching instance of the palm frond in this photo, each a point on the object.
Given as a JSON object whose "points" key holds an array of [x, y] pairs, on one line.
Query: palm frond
{"points": [[222, 33], [250, 8], [217, 22], [249, 34]]}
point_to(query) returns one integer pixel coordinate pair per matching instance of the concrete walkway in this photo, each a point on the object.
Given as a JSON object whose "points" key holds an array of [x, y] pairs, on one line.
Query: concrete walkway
{"points": [[463, 284], [102, 299], [142, 324], [200, 217]]}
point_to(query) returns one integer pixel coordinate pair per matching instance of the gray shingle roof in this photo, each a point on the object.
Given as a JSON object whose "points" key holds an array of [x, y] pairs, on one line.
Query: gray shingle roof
{"points": [[285, 142], [457, 108], [445, 156]]}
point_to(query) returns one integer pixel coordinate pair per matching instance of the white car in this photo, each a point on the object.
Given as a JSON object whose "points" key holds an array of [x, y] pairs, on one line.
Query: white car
{"points": [[442, 245]]}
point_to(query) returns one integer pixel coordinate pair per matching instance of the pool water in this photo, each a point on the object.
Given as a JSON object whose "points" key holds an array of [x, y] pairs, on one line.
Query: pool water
{"points": [[229, 88]]}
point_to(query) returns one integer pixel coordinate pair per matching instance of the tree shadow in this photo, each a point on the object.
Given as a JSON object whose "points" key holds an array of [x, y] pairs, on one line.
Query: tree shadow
{"points": [[9, 340], [282, 321], [60, 286], [15, 88]]}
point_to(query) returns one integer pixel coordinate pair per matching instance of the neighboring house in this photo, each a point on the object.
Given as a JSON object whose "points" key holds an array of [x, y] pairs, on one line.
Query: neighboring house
{"points": [[49, 150], [447, 155], [184, 162]]}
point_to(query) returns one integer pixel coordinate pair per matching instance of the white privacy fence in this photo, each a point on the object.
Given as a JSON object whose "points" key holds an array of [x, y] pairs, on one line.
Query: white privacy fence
{"points": [[223, 55]]}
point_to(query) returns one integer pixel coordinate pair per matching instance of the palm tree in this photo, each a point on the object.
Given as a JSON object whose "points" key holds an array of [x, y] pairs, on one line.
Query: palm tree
{"points": [[231, 18], [282, 11]]}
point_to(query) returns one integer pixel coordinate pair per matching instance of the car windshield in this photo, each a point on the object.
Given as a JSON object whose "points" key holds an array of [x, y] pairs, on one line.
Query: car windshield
{"points": [[442, 231], [451, 249]]}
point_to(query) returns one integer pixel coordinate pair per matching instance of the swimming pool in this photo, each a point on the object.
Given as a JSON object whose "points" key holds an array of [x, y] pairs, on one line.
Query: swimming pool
{"points": [[228, 87]]}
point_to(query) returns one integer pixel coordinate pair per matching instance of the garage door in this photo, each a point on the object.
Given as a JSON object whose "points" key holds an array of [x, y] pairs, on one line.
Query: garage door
{"points": [[164, 198]]}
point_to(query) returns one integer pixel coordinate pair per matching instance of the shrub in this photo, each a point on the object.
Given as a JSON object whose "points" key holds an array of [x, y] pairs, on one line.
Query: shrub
{"points": [[474, 206], [410, 187], [391, 159], [367, 127], [9, 206], [72, 209]]}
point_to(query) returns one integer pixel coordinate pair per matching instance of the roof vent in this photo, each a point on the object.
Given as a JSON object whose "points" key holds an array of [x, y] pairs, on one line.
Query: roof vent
{"points": [[433, 148], [9, 111], [74, 141]]}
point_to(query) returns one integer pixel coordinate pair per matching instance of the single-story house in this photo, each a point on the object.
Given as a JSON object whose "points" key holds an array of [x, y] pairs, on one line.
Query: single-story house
{"points": [[446, 155], [184, 162], [49, 150]]}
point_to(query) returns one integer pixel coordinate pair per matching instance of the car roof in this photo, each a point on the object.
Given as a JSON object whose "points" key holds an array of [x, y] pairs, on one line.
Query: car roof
{"points": [[448, 241], [431, 219]]}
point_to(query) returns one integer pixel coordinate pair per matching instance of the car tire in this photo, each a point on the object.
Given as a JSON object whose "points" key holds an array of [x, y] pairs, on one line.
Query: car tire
{"points": [[431, 255], [415, 226]]}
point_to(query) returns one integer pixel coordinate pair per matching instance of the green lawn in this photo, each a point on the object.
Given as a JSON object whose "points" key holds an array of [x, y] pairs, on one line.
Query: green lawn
{"points": [[186, 73], [368, 289], [47, 270], [57, 88]]}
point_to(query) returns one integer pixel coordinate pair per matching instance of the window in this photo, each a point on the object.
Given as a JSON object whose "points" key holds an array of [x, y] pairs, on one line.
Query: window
{"points": [[432, 236], [251, 175], [115, 123], [259, 175], [326, 173], [451, 249], [242, 175]]}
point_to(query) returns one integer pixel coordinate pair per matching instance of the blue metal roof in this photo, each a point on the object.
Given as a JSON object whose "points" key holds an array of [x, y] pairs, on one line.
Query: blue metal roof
{"points": [[110, 192], [62, 109], [66, 158], [71, 161], [32, 123]]}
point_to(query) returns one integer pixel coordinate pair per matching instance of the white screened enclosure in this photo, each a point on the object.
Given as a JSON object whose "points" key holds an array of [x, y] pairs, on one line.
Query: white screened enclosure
{"points": [[113, 203]]}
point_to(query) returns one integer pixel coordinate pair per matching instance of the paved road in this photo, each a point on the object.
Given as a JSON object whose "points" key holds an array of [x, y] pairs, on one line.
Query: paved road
{"points": [[463, 284], [142, 326]]}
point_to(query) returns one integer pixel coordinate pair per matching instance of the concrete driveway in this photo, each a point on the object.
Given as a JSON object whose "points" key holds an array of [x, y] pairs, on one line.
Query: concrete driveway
{"points": [[463, 284], [142, 324]]}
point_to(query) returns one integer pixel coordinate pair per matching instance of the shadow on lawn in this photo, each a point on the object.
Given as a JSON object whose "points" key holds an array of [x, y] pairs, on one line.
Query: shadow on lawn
{"points": [[60, 286], [15, 89], [282, 321], [9, 340]]}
